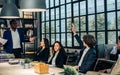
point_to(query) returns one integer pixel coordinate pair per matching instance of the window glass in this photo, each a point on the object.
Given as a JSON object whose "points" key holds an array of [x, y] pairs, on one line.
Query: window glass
{"points": [[67, 1], [52, 27], [83, 8], [52, 38], [68, 10], [56, 2], [43, 28], [57, 13], [57, 37], [51, 3], [52, 14], [118, 4], [100, 22], [118, 33], [47, 27], [47, 15], [118, 19], [69, 39], [111, 21], [110, 5], [43, 16], [62, 1], [76, 11], [100, 5], [82, 34], [63, 39], [101, 37], [91, 8], [63, 11], [91, 22], [47, 3], [57, 26], [63, 25], [111, 39], [76, 23], [43, 35], [83, 23], [69, 25]]}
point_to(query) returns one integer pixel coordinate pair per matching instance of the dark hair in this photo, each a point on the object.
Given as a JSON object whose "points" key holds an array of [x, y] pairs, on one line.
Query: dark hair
{"points": [[89, 40], [61, 46], [11, 21], [46, 42], [118, 37]]}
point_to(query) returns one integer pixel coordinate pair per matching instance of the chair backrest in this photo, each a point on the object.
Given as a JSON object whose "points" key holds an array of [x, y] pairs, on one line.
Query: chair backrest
{"points": [[100, 51], [102, 64], [116, 69]]}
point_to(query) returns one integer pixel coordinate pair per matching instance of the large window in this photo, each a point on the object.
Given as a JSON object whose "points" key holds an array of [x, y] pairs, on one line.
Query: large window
{"points": [[100, 18]]}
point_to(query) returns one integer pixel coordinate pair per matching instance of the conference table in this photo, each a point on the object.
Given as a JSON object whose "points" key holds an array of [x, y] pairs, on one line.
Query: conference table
{"points": [[17, 69]]}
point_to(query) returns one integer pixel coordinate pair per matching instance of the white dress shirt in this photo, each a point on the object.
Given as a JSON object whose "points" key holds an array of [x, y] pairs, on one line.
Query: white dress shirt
{"points": [[15, 39], [54, 58], [83, 55]]}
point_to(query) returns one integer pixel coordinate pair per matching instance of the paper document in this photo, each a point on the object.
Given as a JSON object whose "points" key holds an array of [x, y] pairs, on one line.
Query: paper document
{"points": [[3, 41]]}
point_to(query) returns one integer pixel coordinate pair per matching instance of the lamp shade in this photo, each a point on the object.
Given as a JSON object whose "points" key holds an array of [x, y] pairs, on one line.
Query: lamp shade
{"points": [[32, 5], [9, 10]]}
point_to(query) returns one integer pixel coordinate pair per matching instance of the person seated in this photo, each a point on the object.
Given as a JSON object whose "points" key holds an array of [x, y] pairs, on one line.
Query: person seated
{"points": [[114, 54], [88, 54], [43, 51], [59, 55]]}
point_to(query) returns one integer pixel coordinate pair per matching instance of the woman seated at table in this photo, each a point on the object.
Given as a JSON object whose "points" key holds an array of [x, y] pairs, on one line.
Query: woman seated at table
{"points": [[43, 51], [59, 55]]}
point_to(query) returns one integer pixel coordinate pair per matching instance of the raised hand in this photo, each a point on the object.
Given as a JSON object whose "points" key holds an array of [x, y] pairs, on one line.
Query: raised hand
{"points": [[73, 28]]}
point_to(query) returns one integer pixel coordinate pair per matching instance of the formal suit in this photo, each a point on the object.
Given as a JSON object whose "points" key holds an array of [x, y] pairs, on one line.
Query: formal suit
{"points": [[9, 45], [89, 59], [60, 59], [42, 55]]}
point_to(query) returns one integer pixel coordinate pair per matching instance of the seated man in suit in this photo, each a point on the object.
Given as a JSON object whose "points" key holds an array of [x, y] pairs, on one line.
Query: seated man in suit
{"points": [[88, 54]]}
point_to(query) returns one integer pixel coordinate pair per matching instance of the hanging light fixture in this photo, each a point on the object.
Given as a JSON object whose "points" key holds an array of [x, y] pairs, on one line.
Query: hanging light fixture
{"points": [[9, 10], [32, 5]]}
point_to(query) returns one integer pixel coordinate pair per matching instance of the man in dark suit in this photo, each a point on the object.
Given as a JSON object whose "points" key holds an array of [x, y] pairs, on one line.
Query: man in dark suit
{"points": [[88, 54], [14, 38]]}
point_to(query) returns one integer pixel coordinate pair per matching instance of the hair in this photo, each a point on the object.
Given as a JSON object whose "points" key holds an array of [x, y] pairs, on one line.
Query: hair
{"points": [[118, 37], [46, 42], [11, 21], [89, 40], [61, 46]]}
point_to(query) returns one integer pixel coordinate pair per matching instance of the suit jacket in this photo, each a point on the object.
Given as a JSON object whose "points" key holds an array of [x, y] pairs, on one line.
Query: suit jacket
{"points": [[89, 59], [9, 45], [60, 59], [42, 55]]}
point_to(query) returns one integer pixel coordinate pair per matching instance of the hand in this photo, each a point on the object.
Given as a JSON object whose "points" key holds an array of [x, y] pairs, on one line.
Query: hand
{"points": [[32, 39], [73, 28], [76, 67]]}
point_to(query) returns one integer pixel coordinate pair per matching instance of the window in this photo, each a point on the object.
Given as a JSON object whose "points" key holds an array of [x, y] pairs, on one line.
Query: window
{"points": [[100, 18]]}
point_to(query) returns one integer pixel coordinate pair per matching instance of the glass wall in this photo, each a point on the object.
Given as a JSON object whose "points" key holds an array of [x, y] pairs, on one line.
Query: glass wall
{"points": [[100, 18]]}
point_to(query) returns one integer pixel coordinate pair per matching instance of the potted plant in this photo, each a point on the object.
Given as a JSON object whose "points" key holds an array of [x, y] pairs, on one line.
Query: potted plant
{"points": [[26, 63], [69, 70]]}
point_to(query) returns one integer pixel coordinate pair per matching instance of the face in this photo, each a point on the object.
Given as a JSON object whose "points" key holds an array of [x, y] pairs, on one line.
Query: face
{"points": [[56, 47], [14, 25], [42, 43]]}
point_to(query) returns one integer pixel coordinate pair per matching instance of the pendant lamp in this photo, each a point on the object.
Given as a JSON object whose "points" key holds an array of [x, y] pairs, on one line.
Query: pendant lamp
{"points": [[9, 10], [33, 5]]}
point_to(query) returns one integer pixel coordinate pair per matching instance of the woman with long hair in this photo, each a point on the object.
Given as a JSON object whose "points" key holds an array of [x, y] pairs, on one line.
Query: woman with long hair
{"points": [[59, 55], [43, 51]]}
